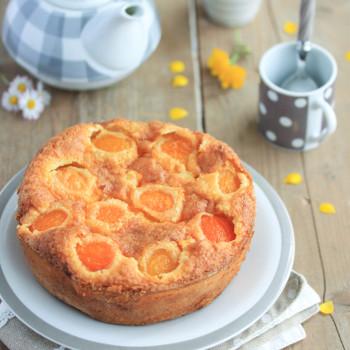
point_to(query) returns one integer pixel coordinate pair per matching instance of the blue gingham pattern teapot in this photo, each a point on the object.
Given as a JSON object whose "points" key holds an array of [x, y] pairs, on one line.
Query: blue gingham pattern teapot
{"points": [[80, 44]]}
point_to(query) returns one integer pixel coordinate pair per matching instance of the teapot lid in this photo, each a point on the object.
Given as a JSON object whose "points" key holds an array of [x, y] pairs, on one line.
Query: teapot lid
{"points": [[77, 4]]}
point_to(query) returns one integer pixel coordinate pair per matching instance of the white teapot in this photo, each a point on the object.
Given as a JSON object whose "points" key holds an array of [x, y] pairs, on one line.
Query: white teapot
{"points": [[80, 44]]}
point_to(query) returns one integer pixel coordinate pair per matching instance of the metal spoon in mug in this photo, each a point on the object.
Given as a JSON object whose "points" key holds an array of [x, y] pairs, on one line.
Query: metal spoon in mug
{"points": [[300, 81]]}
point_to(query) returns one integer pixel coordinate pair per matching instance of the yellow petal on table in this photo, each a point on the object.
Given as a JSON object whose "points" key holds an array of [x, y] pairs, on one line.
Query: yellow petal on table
{"points": [[327, 307], [177, 113], [347, 55], [327, 208], [180, 81], [177, 66], [290, 27], [293, 179]]}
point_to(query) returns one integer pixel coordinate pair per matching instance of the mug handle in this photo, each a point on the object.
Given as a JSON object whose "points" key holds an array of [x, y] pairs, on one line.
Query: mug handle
{"points": [[330, 117]]}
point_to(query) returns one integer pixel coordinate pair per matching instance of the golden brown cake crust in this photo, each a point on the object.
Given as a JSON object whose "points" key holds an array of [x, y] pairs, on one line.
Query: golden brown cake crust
{"points": [[161, 182]]}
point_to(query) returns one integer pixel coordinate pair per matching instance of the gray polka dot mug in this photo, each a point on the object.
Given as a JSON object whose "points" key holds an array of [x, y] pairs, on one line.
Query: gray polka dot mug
{"points": [[296, 120]]}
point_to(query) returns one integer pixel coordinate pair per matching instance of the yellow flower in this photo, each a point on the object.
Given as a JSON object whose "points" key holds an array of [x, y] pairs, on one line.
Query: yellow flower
{"points": [[177, 113], [327, 208], [180, 81], [230, 75], [177, 66], [290, 27], [327, 307], [233, 76], [293, 179], [347, 55], [218, 61]]}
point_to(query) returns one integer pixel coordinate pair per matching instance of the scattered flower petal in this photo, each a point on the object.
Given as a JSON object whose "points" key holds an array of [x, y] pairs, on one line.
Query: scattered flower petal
{"points": [[180, 81], [177, 113], [21, 84], [347, 55], [290, 27], [10, 101], [44, 94], [31, 105], [293, 179], [177, 66], [327, 307], [327, 208]]}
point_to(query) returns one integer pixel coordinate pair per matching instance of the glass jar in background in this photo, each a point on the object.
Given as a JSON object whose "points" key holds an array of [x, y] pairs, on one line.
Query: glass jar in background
{"points": [[231, 13]]}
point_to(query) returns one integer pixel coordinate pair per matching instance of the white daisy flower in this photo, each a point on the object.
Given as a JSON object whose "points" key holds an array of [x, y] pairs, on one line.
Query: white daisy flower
{"points": [[10, 101], [44, 94], [21, 84], [31, 105]]}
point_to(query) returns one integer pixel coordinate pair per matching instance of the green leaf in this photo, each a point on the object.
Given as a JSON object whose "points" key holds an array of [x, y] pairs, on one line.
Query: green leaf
{"points": [[234, 57], [237, 37], [240, 50]]}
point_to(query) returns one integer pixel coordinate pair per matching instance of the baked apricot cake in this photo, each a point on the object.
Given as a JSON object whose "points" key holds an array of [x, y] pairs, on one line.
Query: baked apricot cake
{"points": [[134, 222]]}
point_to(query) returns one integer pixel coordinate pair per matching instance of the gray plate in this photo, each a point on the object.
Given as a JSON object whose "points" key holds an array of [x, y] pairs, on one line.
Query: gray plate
{"points": [[216, 336]]}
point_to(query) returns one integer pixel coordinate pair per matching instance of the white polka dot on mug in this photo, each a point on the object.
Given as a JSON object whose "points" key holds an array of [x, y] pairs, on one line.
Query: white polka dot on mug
{"points": [[297, 143], [271, 135], [285, 121], [272, 96], [262, 108], [300, 102]]}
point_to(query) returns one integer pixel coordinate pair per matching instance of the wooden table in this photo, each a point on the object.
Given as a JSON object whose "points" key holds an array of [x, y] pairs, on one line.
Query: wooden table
{"points": [[322, 242]]}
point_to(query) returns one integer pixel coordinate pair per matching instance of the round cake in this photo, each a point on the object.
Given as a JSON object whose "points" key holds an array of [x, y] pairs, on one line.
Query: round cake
{"points": [[134, 222]]}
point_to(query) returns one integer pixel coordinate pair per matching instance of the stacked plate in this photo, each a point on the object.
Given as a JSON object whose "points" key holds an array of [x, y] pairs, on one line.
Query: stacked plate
{"points": [[259, 283]]}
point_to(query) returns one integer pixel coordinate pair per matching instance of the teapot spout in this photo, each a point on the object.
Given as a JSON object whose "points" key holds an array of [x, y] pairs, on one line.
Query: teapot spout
{"points": [[117, 37], [133, 12]]}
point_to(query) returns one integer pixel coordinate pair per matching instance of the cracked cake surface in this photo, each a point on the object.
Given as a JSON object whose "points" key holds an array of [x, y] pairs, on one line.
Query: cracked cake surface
{"points": [[124, 213]]}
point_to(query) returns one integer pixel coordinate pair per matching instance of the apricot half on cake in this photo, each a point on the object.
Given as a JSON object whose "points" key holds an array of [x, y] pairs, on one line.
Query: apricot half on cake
{"points": [[134, 222], [49, 220], [217, 228], [163, 203], [177, 147], [116, 146], [160, 259], [175, 151], [95, 256], [73, 181], [106, 216]]}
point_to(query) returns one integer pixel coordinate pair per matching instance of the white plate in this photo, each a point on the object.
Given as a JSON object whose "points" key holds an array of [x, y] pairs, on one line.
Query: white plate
{"points": [[258, 284]]}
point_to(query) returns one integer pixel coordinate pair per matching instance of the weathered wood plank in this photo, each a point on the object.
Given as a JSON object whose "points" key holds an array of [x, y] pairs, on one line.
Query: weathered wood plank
{"points": [[231, 116], [327, 168]]}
